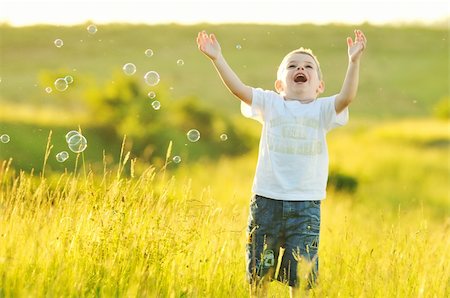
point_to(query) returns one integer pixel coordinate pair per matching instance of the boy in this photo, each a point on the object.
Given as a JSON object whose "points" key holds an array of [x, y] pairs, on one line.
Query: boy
{"points": [[292, 167]]}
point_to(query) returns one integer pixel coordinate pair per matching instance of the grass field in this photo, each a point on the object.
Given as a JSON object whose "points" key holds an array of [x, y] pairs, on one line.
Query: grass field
{"points": [[109, 223], [181, 233], [401, 75]]}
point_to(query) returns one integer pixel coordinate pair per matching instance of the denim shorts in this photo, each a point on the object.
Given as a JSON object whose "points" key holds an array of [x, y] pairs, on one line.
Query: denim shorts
{"points": [[291, 225]]}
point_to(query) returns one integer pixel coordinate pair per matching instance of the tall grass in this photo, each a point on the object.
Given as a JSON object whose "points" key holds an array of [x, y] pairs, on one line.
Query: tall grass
{"points": [[164, 233], [76, 236]]}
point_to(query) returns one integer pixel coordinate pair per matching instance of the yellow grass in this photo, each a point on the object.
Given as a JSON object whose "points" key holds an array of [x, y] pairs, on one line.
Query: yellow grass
{"points": [[182, 233]]}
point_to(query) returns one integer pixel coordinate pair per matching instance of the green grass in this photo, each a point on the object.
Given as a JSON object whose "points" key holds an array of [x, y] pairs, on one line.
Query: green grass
{"points": [[401, 74], [28, 142], [398, 78]]}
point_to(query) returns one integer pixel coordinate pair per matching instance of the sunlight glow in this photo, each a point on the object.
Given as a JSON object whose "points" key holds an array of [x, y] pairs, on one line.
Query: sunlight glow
{"points": [[68, 12]]}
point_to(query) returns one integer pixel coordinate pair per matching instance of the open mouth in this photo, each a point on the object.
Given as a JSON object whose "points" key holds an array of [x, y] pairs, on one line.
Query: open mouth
{"points": [[300, 78]]}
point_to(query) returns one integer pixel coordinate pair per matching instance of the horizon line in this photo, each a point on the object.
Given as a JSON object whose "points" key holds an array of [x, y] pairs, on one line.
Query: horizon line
{"points": [[445, 21]]}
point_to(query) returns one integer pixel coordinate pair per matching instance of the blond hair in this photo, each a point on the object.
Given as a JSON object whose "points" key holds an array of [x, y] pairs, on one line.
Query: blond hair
{"points": [[299, 51]]}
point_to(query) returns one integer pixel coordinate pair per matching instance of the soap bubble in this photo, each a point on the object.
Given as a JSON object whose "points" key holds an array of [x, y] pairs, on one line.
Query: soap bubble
{"points": [[176, 159], [129, 69], [180, 62], [92, 29], [223, 137], [61, 84], [4, 138], [77, 143], [151, 94], [156, 105], [238, 47], [62, 156], [152, 78], [193, 135], [58, 43], [148, 52], [69, 79], [48, 89], [71, 134]]}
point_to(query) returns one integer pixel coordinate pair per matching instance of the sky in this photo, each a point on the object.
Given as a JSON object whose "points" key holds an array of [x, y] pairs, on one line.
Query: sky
{"points": [[70, 12]]}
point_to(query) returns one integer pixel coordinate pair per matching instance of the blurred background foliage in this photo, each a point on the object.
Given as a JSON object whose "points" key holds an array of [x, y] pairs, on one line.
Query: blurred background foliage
{"points": [[399, 81], [123, 108]]}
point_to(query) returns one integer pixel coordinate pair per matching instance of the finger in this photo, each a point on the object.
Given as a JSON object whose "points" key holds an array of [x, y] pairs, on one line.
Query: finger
{"points": [[363, 37], [200, 35], [360, 36], [363, 40], [349, 42]]}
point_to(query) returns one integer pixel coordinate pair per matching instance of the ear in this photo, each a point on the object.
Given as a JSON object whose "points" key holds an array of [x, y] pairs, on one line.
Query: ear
{"points": [[278, 86], [321, 88]]}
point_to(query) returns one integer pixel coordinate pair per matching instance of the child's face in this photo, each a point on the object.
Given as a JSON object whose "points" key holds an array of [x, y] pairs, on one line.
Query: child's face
{"points": [[299, 78]]}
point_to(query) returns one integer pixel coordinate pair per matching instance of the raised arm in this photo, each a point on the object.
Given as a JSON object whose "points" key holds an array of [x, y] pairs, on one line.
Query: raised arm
{"points": [[350, 85], [209, 45]]}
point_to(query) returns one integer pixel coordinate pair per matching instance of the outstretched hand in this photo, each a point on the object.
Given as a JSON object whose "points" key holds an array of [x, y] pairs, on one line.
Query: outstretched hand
{"points": [[208, 44], [356, 47]]}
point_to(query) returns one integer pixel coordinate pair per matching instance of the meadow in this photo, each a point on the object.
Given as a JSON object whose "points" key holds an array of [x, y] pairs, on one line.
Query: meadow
{"points": [[112, 221]]}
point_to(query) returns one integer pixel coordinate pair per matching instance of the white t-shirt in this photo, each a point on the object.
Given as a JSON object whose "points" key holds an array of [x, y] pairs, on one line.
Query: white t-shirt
{"points": [[293, 155]]}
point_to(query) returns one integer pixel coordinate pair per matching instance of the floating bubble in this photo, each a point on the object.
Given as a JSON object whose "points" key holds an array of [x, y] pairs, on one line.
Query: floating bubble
{"points": [[193, 135], [223, 137], [77, 143], [238, 47], [180, 62], [156, 105], [71, 134], [148, 52], [4, 138], [48, 89], [91, 29], [69, 79], [129, 69], [61, 84], [58, 43], [151, 94], [62, 156], [176, 159], [152, 78]]}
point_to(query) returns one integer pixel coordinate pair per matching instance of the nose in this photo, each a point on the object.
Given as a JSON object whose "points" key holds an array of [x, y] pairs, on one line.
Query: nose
{"points": [[300, 67]]}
